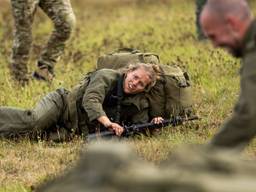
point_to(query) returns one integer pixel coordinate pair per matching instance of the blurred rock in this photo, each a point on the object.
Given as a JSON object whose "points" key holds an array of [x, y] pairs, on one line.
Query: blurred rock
{"points": [[114, 167]]}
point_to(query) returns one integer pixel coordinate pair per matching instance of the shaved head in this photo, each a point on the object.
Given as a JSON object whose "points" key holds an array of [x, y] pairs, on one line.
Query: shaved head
{"points": [[225, 23], [220, 8]]}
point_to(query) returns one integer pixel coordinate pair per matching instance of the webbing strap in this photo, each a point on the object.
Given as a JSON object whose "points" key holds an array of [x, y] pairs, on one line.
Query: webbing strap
{"points": [[165, 92], [120, 94]]}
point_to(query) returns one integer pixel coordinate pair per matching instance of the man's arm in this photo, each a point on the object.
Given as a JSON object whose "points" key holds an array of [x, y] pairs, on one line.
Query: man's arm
{"points": [[241, 127]]}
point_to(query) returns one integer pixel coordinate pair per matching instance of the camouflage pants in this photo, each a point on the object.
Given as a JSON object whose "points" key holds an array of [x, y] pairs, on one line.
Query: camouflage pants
{"points": [[199, 6], [45, 115], [60, 12]]}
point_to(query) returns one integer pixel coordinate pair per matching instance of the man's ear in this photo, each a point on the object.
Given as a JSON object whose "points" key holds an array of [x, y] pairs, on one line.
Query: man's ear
{"points": [[233, 23]]}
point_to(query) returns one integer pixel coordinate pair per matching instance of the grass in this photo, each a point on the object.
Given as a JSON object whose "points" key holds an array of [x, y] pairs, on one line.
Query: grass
{"points": [[166, 27]]}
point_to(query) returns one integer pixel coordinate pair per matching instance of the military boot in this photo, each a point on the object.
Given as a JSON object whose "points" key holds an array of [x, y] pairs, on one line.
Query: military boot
{"points": [[44, 74], [19, 73]]}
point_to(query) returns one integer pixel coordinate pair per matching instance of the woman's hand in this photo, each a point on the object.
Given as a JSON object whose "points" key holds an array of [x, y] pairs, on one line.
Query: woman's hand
{"points": [[157, 120], [110, 125], [116, 128]]}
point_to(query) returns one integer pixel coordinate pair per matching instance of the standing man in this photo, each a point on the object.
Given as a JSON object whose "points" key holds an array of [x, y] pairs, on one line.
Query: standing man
{"points": [[199, 6], [229, 24], [61, 13]]}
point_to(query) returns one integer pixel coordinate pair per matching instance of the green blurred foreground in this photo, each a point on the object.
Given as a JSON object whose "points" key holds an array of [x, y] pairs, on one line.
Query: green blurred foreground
{"points": [[112, 167], [166, 27]]}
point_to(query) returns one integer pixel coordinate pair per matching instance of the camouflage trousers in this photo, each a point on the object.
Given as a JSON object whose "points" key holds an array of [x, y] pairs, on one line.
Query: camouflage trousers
{"points": [[60, 12], [47, 114]]}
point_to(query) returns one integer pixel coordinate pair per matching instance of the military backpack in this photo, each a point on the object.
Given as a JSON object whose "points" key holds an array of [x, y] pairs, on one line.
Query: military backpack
{"points": [[123, 57], [172, 94]]}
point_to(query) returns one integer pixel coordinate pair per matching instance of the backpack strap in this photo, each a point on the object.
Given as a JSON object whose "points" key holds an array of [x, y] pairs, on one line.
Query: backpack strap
{"points": [[165, 91], [120, 95], [127, 49], [143, 57]]}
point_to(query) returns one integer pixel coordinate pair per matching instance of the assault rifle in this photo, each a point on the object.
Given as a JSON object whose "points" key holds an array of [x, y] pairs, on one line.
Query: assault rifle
{"points": [[138, 128]]}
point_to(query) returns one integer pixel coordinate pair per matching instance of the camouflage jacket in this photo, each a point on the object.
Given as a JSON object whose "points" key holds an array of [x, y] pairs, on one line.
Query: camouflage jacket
{"points": [[96, 96], [241, 127]]}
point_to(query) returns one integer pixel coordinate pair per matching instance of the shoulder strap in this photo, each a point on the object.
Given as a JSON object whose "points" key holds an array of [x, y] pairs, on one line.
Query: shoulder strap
{"points": [[119, 98], [165, 91]]}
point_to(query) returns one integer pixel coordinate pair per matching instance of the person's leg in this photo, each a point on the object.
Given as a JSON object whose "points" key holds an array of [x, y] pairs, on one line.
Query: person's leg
{"points": [[61, 13], [48, 111], [23, 13], [45, 115], [14, 120]]}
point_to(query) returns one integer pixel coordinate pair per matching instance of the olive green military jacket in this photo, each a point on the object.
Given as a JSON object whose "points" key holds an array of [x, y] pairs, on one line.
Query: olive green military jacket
{"points": [[87, 100], [241, 127]]}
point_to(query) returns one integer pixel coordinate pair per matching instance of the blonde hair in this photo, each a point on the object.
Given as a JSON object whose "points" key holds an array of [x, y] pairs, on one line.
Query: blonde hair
{"points": [[153, 72]]}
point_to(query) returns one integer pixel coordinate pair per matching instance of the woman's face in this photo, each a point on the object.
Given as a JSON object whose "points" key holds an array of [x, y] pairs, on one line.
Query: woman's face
{"points": [[136, 81]]}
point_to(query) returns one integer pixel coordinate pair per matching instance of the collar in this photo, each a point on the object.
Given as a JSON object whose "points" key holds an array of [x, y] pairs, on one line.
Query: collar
{"points": [[249, 41]]}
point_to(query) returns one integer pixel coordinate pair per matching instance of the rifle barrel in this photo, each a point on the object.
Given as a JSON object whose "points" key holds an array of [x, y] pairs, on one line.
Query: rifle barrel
{"points": [[173, 121]]}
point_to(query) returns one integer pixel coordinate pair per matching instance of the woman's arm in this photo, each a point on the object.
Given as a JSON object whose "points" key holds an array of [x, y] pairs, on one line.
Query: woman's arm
{"points": [[104, 120]]}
